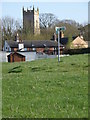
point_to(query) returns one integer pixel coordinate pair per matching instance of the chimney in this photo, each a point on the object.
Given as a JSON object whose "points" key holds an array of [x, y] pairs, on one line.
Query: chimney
{"points": [[20, 43], [55, 37], [81, 36], [17, 38], [62, 35]]}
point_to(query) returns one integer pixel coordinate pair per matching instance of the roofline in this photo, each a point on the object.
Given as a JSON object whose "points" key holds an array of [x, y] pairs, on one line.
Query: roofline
{"points": [[16, 53]]}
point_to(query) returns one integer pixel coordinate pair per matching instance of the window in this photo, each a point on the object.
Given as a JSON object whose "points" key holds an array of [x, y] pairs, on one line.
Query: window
{"points": [[34, 49]]}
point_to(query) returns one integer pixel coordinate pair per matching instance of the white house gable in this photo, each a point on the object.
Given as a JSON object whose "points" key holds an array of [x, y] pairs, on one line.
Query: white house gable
{"points": [[6, 47]]}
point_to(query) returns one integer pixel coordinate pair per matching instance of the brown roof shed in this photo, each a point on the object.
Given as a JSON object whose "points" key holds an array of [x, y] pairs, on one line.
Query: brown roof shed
{"points": [[15, 57]]}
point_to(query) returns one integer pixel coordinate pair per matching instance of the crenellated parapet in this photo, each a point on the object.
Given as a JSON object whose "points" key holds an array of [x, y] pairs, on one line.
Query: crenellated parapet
{"points": [[33, 10]]}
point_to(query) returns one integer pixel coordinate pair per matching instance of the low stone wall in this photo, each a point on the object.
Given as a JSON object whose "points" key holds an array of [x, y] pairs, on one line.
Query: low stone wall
{"points": [[45, 56], [29, 56]]}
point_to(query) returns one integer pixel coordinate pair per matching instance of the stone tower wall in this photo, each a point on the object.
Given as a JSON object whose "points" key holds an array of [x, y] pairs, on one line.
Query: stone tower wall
{"points": [[31, 21], [36, 22]]}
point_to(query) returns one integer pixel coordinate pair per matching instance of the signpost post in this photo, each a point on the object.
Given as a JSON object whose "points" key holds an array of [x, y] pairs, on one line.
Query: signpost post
{"points": [[58, 31], [58, 46]]}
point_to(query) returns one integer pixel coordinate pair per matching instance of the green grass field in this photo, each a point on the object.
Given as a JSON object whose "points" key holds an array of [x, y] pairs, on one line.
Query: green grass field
{"points": [[46, 88]]}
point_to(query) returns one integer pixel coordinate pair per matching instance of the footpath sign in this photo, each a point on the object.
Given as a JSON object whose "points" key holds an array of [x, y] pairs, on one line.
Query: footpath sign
{"points": [[60, 29]]}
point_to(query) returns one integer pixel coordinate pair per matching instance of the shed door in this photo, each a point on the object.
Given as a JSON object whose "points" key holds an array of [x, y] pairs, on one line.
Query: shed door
{"points": [[13, 58], [8, 58]]}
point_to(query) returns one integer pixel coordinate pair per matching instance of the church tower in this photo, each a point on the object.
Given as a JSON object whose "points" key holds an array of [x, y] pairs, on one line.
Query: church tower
{"points": [[31, 20]]}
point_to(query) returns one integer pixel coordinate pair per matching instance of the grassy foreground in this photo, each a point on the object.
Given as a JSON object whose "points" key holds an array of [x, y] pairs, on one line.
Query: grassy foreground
{"points": [[46, 88]]}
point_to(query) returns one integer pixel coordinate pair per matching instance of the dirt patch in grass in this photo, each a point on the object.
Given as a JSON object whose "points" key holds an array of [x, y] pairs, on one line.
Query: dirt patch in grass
{"points": [[16, 69]]}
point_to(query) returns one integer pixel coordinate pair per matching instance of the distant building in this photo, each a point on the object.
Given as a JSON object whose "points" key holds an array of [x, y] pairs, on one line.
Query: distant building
{"points": [[28, 50], [15, 57], [29, 45], [63, 40], [31, 20], [79, 43]]}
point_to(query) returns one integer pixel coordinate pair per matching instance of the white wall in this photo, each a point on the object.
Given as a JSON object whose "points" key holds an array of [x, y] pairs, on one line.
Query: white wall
{"points": [[21, 46], [29, 56]]}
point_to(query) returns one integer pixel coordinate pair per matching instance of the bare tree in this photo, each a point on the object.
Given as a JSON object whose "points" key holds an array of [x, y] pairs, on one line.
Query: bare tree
{"points": [[71, 22], [48, 20], [9, 26]]}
